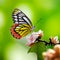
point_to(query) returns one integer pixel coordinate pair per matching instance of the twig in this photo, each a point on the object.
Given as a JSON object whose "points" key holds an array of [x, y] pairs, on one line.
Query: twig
{"points": [[45, 42]]}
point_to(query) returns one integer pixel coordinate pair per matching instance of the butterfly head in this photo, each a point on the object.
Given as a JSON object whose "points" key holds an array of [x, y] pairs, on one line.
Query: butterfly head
{"points": [[33, 27]]}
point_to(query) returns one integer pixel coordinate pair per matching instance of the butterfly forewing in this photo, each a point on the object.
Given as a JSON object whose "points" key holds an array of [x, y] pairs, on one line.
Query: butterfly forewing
{"points": [[20, 18]]}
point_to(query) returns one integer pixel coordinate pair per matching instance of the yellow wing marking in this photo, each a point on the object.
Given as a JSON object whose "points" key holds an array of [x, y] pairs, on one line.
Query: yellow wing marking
{"points": [[23, 29], [20, 32], [16, 11]]}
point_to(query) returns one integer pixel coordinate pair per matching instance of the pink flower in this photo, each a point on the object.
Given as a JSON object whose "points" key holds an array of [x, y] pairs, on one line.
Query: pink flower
{"points": [[32, 38], [54, 39]]}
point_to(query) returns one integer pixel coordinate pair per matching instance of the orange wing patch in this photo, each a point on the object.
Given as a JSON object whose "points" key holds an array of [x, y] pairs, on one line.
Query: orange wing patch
{"points": [[14, 33]]}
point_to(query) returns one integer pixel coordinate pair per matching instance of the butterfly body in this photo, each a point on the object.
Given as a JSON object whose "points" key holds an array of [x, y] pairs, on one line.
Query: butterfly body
{"points": [[22, 24]]}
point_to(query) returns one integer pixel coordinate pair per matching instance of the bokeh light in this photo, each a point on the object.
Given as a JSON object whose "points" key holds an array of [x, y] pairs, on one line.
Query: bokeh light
{"points": [[1, 19], [18, 52]]}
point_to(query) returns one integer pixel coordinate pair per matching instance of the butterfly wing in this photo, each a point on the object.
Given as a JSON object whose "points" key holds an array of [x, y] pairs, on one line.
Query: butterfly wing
{"points": [[23, 29], [20, 18], [22, 24]]}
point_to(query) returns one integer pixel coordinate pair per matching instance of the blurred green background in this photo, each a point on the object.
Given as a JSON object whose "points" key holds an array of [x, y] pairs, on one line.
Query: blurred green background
{"points": [[44, 14]]}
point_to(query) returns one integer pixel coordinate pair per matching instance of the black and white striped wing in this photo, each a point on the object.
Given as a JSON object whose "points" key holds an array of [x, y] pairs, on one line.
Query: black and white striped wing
{"points": [[20, 18]]}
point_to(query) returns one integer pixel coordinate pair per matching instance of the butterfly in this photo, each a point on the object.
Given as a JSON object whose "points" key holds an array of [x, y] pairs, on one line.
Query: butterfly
{"points": [[22, 24]]}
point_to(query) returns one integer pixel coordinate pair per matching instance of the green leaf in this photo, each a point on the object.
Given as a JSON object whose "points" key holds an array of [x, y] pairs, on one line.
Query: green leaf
{"points": [[49, 46], [38, 48], [33, 48]]}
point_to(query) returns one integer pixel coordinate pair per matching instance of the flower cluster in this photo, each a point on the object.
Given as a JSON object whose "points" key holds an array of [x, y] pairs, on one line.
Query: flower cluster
{"points": [[52, 54], [32, 38], [36, 36]]}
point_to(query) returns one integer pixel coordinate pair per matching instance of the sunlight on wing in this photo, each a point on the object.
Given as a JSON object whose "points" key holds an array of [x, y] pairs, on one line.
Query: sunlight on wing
{"points": [[27, 10]]}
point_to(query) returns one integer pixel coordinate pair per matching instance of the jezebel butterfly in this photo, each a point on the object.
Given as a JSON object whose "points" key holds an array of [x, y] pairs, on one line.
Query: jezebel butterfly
{"points": [[22, 24]]}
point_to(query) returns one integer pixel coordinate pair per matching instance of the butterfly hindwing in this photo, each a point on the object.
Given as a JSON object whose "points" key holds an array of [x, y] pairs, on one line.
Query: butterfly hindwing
{"points": [[23, 29]]}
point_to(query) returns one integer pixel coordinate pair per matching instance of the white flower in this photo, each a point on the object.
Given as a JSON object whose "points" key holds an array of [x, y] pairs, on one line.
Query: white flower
{"points": [[32, 38], [54, 39], [40, 33]]}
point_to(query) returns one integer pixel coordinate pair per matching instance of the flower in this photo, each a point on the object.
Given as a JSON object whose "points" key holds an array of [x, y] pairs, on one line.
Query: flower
{"points": [[52, 54], [32, 38], [54, 39]]}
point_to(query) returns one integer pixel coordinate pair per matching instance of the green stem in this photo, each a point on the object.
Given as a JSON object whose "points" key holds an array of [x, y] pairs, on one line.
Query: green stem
{"points": [[40, 49], [38, 58]]}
